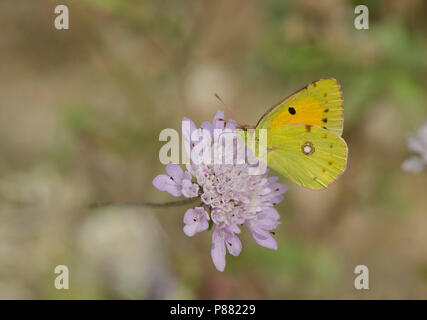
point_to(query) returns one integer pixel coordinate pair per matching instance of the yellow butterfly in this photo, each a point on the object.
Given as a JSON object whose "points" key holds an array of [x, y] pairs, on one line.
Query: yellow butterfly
{"points": [[304, 135]]}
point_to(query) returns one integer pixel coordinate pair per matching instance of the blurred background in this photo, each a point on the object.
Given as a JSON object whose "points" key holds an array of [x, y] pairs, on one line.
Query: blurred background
{"points": [[80, 115]]}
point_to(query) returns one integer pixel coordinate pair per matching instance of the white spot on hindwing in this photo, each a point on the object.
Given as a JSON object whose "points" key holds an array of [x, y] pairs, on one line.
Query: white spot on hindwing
{"points": [[307, 148]]}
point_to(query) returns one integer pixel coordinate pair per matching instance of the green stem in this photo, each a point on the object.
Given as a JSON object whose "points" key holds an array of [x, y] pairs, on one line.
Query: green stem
{"points": [[143, 204], [211, 223]]}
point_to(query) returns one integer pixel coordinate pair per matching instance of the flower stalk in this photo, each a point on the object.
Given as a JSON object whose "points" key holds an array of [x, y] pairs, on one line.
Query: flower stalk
{"points": [[143, 204]]}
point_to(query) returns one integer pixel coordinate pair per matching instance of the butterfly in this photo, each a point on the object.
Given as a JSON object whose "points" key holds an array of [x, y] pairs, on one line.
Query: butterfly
{"points": [[304, 131]]}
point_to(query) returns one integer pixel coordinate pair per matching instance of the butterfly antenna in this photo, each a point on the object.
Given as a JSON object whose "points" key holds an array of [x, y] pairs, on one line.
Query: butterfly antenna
{"points": [[228, 108]]}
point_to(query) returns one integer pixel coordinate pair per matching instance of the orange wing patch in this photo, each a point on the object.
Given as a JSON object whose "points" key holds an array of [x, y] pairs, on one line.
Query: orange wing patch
{"points": [[303, 111], [318, 104]]}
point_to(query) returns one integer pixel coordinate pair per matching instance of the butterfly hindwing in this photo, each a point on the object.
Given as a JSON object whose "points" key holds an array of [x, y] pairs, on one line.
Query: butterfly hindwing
{"points": [[318, 104], [311, 156]]}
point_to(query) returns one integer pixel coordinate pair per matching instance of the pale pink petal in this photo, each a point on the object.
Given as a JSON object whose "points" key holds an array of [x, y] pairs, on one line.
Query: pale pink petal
{"points": [[234, 245], [234, 228], [188, 127], [165, 183], [266, 220], [202, 226], [277, 190], [218, 249], [189, 189], [195, 220], [191, 229], [218, 122], [263, 238], [175, 171], [276, 199], [268, 242], [271, 213], [190, 216], [207, 126], [187, 175], [219, 115], [281, 188]]}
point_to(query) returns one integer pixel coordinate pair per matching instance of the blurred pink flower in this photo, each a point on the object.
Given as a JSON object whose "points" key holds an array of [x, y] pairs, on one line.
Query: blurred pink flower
{"points": [[230, 196], [417, 144]]}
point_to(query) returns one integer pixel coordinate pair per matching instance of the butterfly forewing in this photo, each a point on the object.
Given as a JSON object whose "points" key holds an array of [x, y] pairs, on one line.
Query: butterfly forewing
{"points": [[318, 104]]}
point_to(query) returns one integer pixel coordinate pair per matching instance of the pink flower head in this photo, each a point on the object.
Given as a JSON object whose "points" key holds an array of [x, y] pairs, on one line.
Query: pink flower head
{"points": [[231, 196]]}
